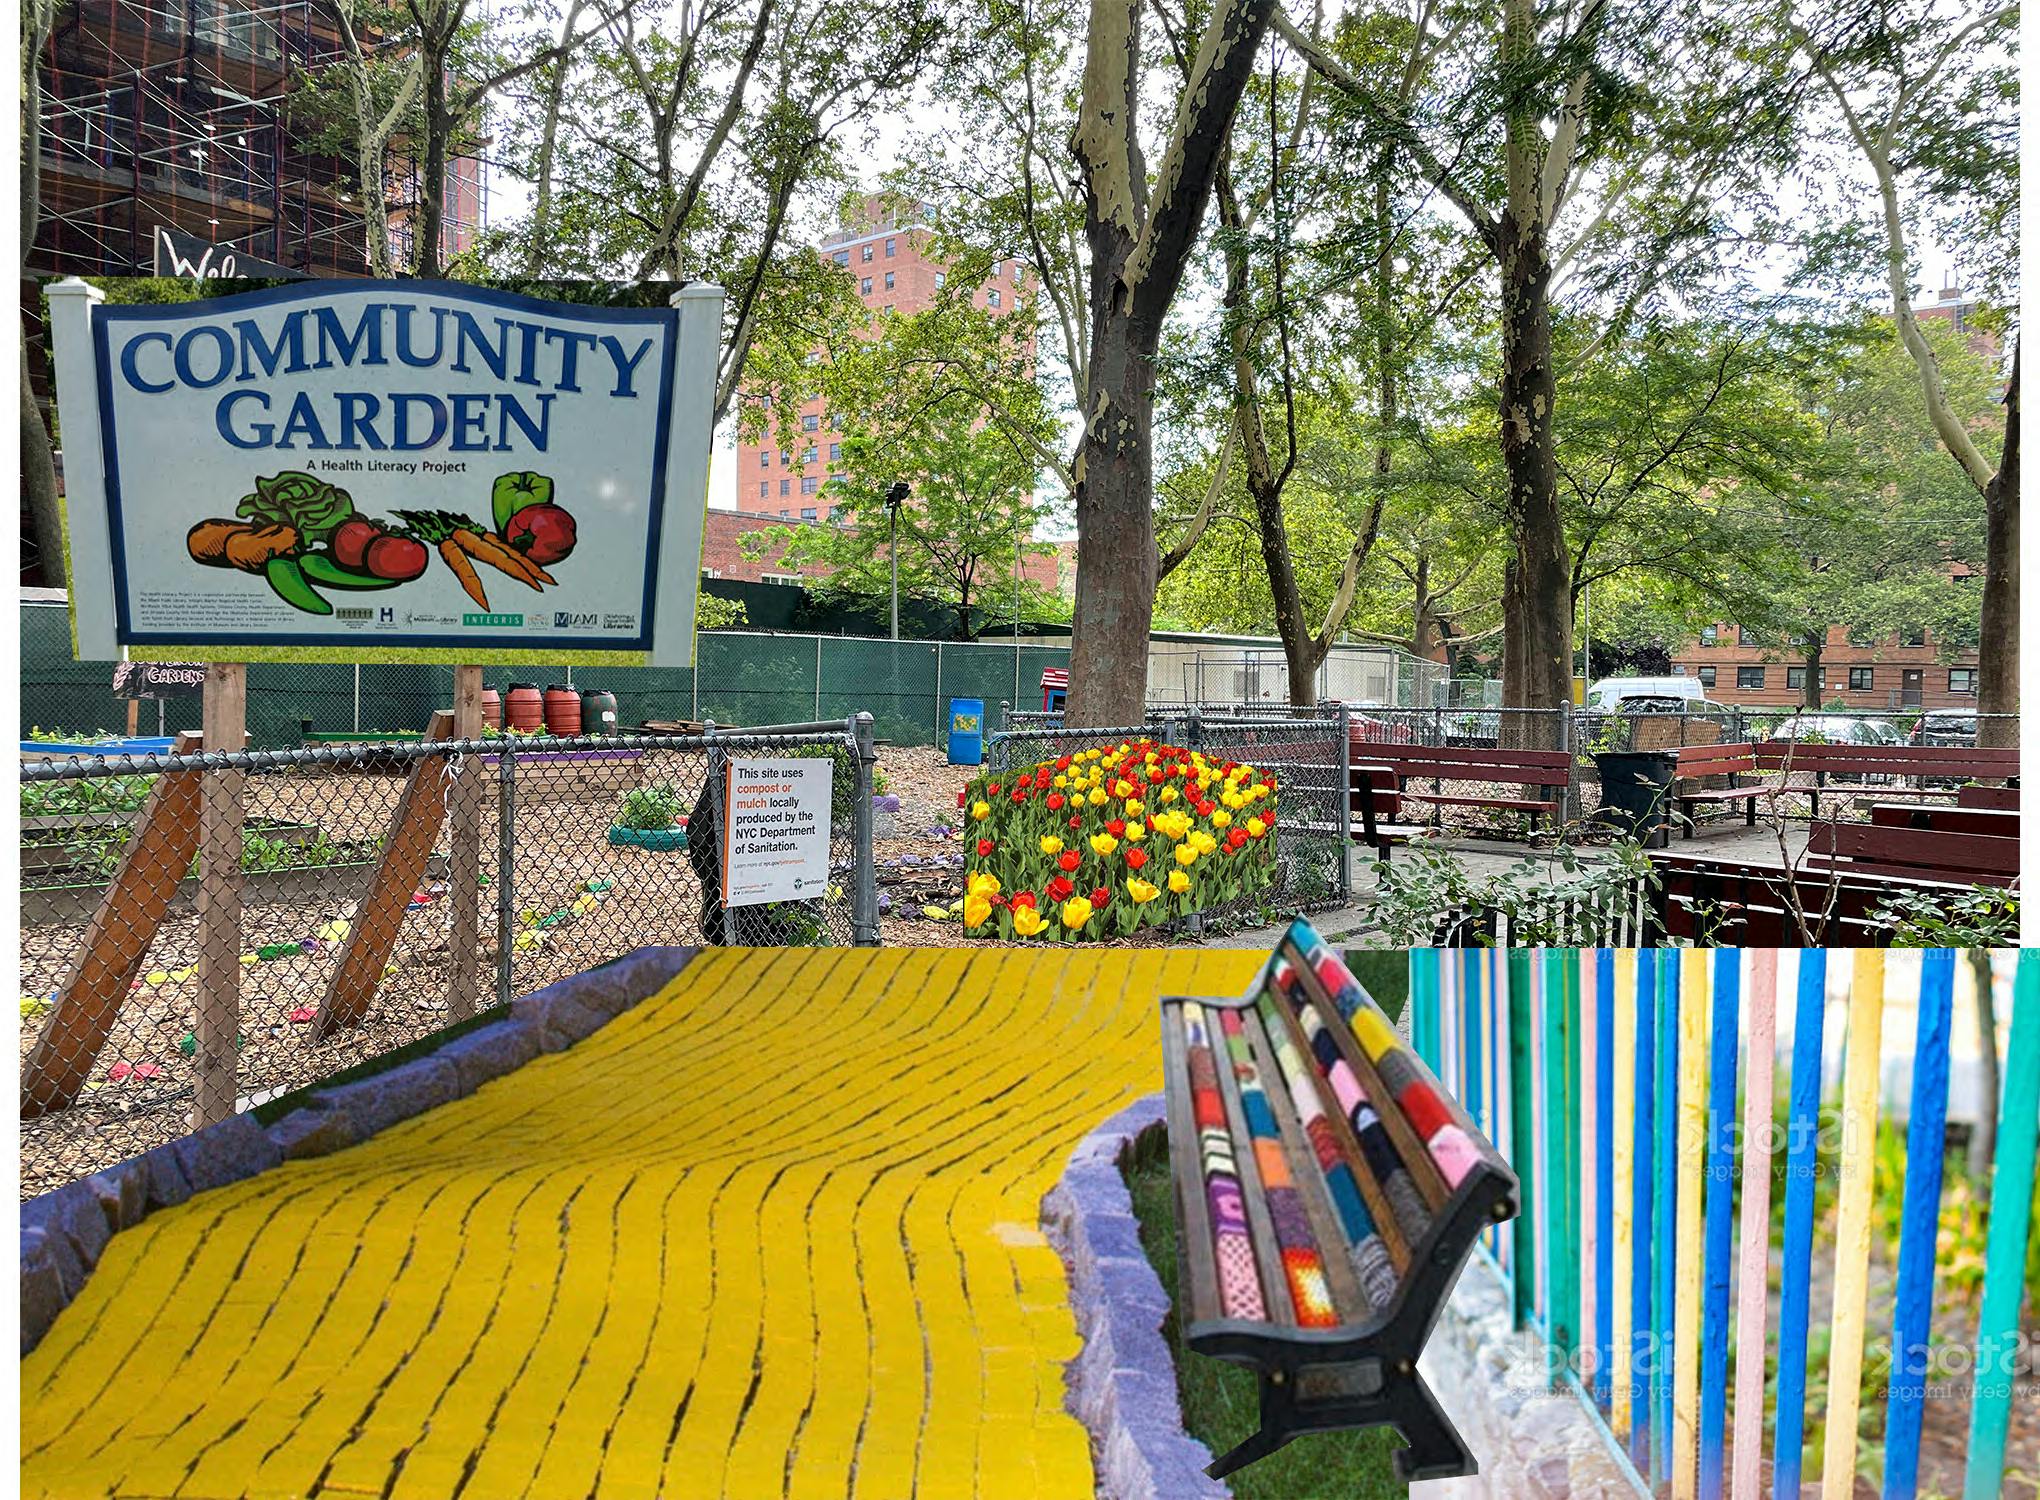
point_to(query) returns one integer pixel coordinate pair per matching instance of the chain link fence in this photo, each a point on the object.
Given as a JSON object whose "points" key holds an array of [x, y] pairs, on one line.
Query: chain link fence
{"points": [[203, 932], [1304, 752]]}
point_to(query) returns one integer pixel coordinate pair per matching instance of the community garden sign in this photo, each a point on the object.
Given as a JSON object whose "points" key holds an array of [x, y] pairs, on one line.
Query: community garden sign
{"points": [[375, 470]]}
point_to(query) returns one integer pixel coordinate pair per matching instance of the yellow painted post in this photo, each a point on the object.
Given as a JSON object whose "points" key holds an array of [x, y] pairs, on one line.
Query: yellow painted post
{"points": [[1695, 991], [1620, 1371], [1852, 1223]]}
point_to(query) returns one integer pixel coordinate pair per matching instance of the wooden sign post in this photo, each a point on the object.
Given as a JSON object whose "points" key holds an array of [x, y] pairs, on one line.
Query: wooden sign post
{"points": [[464, 810], [221, 817]]}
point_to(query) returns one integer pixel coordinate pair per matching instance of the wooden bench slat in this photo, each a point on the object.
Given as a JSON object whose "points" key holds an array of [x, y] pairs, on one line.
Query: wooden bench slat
{"points": [[1524, 804], [1260, 1227], [1196, 1253], [1347, 1296]]}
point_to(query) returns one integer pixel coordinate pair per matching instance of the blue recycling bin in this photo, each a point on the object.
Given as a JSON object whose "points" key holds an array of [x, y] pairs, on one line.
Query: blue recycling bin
{"points": [[966, 731]]}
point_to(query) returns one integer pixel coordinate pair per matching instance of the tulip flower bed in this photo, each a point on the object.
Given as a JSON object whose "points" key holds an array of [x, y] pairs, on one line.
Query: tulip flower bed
{"points": [[1103, 842]]}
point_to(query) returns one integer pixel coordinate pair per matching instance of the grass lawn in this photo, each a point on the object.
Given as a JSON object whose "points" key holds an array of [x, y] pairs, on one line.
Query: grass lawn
{"points": [[1220, 1401]]}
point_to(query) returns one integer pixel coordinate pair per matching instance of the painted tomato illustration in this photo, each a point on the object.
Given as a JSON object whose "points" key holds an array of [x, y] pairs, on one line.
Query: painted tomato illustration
{"points": [[544, 533]]}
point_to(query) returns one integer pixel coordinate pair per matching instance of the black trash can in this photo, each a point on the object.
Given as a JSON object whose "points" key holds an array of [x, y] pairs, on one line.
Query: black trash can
{"points": [[1636, 791]]}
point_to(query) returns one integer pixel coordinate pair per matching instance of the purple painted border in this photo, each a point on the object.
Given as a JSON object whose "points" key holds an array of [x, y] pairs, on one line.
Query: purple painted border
{"points": [[64, 1232], [1123, 1385]]}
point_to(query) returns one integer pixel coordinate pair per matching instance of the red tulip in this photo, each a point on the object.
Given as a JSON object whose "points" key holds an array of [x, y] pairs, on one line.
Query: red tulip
{"points": [[1069, 861], [1136, 858], [1055, 801], [992, 790], [1236, 837], [1023, 898], [1063, 764], [1099, 897], [984, 848], [1060, 889], [1075, 821], [1116, 827]]}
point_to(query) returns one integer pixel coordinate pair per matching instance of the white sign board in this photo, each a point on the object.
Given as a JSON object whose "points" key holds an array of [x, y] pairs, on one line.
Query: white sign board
{"points": [[775, 830], [373, 468]]}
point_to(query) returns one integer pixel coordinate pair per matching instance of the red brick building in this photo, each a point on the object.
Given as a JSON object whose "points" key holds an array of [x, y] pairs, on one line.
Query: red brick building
{"points": [[1893, 673], [783, 475], [722, 555]]}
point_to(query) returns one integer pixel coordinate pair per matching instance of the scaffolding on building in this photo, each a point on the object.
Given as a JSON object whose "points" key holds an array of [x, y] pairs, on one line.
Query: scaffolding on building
{"points": [[175, 113]]}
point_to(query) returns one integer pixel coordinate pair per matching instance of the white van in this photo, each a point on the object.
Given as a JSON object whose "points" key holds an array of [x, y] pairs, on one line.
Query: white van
{"points": [[1609, 694]]}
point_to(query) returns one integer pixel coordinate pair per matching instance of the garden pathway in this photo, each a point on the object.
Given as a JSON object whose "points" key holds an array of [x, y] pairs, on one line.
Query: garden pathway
{"points": [[773, 1231]]}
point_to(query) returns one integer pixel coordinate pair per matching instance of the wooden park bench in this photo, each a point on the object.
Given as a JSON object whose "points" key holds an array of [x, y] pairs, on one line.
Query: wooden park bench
{"points": [[1375, 810], [1917, 850], [1744, 903], [1698, 764], [1998, 798], [1328, 1191], [1546, 772], [1839, 770]]}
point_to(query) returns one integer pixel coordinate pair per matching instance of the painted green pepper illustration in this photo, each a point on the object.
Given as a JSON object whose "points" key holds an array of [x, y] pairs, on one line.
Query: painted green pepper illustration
{"points": [[288, 580], [512, 492], [321, 569]]}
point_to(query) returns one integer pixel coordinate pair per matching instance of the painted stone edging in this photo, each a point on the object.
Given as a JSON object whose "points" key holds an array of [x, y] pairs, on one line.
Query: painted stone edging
{"points": [[64, 1232], [1123, 1385]]}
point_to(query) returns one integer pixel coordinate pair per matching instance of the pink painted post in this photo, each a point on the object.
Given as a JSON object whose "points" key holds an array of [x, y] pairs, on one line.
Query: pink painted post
{"points": [[1587, 1359], [1752, 1305]]}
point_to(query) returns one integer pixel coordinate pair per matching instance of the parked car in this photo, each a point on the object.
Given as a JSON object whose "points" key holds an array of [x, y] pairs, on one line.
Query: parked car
{"points": [[1946, 726], [1838, 729]]}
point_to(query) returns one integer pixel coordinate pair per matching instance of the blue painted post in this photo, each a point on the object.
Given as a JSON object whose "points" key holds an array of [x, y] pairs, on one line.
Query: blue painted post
{"points": [[1643, 1283], [1719, 1227], [1604, 1168], [1802, 1138], [1919, 1223]]}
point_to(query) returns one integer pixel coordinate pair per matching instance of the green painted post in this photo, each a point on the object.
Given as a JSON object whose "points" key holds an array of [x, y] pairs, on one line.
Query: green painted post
{"points": [[1561, 1164], [1523, 1133], [2004, 1256]]}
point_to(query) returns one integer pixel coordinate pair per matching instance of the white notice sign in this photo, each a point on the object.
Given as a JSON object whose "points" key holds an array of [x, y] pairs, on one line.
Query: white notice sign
{"points": [[776, 830]]}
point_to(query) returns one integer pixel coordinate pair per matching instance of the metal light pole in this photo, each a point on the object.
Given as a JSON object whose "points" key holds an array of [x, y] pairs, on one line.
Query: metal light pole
{"points": [[894, 499]]}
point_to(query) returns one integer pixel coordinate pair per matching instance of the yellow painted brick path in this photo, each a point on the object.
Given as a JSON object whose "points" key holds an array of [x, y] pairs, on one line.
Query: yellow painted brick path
{"points": [[774, 1231]]}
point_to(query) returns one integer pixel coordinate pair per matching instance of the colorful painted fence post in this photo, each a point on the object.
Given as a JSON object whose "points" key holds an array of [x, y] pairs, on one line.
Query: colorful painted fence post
{"points": [[1619, 1078]]}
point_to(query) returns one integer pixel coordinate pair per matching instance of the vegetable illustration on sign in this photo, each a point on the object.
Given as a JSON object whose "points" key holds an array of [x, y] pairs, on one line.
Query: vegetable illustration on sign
{"points": [[298, 530]]}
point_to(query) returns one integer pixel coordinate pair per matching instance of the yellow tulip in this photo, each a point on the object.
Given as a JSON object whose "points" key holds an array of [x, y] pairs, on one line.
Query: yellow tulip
{"points": [[1186, 855], [1203, 842], [1179, 881], [1135, 832], [1027, 921], [1255, 828], [1076, 912], [1051, 845], [984, 883], [981, 811], [1142, 891], [1097, 797], [1168, 794], [1102, 844], [1122, 788], [1220, 818], [1133, 807], [1062, 782], [976, 911]]}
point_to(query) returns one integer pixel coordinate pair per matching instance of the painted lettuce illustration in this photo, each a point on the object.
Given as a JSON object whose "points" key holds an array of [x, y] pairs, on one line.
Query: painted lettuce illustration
{"points": [[302, 534]]}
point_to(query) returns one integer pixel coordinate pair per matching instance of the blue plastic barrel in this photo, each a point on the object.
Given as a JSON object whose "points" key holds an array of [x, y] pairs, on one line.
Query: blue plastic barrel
{"points": [[966, 731]]}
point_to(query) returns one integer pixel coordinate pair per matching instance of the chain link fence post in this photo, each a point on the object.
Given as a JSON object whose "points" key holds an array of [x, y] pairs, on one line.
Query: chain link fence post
{"points": [[864, 899], [506, 859], [1342, 802]]}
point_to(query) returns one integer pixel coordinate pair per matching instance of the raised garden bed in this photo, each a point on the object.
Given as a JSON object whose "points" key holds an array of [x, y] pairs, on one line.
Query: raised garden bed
{"points": [[40, 856], [659, 840], [336, 887]]}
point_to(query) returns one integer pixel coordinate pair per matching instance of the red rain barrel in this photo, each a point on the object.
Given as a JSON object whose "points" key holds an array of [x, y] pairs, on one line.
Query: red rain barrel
{"points": [[525, 707], [492, 708], [562, 710]]}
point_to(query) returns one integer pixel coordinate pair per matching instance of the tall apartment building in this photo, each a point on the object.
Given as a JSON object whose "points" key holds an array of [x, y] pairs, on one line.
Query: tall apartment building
{"points": [[784, 474], [169, 114]]}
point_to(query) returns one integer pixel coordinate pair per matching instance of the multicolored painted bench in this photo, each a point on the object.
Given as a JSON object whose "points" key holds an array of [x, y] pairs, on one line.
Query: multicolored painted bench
{"points": [[1328, 1191]]}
